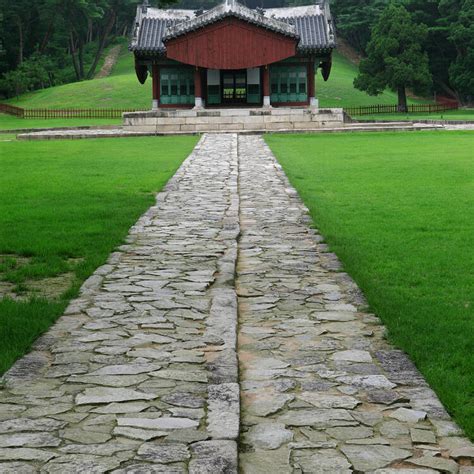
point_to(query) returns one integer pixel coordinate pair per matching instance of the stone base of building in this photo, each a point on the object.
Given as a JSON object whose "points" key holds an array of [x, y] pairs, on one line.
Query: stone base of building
{"points": [[233, 120]]}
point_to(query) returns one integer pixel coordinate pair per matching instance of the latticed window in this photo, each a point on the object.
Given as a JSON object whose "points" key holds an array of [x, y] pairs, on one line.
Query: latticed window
{"points": [[288, 83], [177, 86]]}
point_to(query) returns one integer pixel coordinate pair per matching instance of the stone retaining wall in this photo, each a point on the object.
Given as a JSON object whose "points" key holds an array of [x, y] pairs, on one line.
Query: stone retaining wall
{"points": [[233, 120]]}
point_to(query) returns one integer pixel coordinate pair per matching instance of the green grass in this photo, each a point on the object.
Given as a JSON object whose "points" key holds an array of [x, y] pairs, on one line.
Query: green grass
{"points": [[461, 114], [398, 209], [64, 206], [122, 90], [9, 122], [339, 91]]}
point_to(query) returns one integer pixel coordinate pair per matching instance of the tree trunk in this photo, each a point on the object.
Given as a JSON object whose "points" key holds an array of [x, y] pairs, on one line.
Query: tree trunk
{"points": [[74, 58], [402, 99], [103, 41], [90, 31], [81, 58], [20, 42], [47, 36]]}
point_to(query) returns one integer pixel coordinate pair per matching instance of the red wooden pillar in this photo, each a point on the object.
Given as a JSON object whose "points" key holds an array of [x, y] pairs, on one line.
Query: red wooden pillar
{"points": [[311, 85], [156, 86], [197, 88], [266, 86]]}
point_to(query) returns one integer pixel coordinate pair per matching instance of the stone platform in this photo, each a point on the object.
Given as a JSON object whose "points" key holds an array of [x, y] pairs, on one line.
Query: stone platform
{"points": [[233, 119]]}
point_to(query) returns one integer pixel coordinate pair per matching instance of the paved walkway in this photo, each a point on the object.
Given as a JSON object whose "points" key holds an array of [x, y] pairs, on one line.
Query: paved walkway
{"points": [[141, 374]]}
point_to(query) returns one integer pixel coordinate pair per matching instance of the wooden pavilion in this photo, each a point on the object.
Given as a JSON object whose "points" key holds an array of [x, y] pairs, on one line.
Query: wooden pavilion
{"points": [[232, 55]]}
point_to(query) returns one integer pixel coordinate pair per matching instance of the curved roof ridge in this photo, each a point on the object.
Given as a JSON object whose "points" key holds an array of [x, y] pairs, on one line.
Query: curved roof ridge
{"points": [[231, 8]]}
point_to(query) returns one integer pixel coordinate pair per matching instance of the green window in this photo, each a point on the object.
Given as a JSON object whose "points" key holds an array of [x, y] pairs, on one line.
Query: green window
{"points": [[214, 94], [253, 93], [288, 84], [177, 86]]}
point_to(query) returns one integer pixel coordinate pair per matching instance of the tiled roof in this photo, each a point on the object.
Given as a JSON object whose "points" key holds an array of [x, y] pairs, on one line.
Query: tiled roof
{"points": [[313, 32], [227, 9], [312, 25]]}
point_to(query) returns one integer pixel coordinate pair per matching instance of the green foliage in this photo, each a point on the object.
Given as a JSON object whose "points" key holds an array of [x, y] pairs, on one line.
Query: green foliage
{"points": [[450, 42], [397, 209], [33, 73], [73, 34], [70, 199], [461, 71], [339, 90], [395, 56], [355, 18]]}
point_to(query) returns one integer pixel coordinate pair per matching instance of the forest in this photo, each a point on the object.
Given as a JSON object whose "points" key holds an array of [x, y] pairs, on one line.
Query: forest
{"points": [[49, 42]]}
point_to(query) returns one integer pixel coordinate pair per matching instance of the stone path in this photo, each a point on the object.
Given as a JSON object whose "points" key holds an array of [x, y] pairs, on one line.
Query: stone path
{"points": [[103, 132], [109, 62], [141, 375]]}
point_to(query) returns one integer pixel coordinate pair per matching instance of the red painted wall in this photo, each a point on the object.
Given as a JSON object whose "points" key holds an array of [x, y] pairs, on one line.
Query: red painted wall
{"points": [[230, 44]]}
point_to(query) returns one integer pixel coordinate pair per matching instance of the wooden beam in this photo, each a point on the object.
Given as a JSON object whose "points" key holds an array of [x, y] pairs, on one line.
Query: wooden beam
{"points": [[156, 86]]}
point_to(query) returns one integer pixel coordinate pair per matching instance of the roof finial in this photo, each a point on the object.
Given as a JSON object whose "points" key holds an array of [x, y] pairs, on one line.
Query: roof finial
{"points": [[145, 5]]}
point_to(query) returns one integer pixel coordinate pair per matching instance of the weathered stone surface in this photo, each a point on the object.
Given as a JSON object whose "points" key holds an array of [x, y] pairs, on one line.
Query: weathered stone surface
{"points": [[26, 424], [316, 417], [25, 454], [195, 376], [108, 395], [81, 463], [109, 380], [404, 470], [368, 381], [139, 468], [109, 448], [267, 403], [163, 423], [393, 429], [17, 468], [263, 462], [223, 411], [409, 416], [125, 407], [353, 356], [163, 453], [127, 369], [323, 461], [386, 397], [463, 453], [209, 457], [85, 436], [268, 435], [30, 440], [345, 433], [184, 399], [322, 400], [422, 436], [137, 433], [437, 463], [368, 458]]}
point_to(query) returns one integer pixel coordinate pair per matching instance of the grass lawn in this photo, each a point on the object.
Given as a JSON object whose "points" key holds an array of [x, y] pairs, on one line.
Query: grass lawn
{"points": [[398, 209], [64, 206], [460, 114], [122, 90], [9, 122], [339, 90]]}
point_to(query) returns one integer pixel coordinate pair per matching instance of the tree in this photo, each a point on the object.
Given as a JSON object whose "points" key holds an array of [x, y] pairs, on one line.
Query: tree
{"points": [[355, 18], [461, 34], [395, 56]]}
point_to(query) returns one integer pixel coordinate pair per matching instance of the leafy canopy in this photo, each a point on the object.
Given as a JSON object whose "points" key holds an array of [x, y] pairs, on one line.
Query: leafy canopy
{"points": [[395, 55]]}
